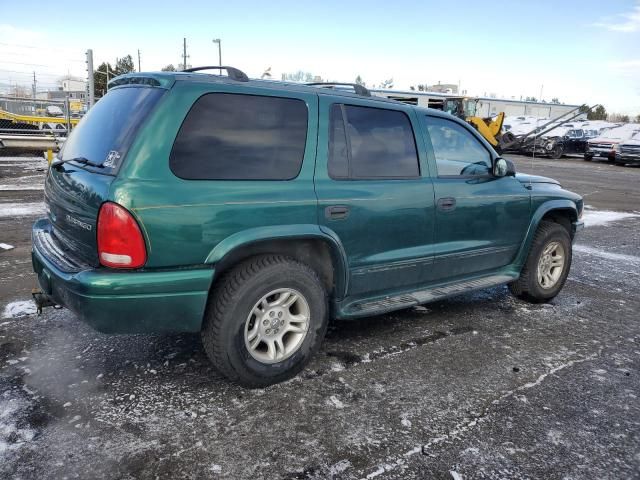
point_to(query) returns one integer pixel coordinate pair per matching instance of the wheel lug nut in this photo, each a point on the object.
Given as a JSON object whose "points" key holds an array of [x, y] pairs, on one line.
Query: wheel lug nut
{"points": [[271, 314], [265, 322], [279, 314], [268, 332]]}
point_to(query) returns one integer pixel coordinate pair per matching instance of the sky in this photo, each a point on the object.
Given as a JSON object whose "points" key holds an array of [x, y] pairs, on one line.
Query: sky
{"points": [[585, 51]]}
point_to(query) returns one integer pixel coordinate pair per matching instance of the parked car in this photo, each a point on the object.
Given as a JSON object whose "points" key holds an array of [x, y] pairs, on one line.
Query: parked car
{"points": [[630, 151], [54, 111], [608, 143], [253, 211]]}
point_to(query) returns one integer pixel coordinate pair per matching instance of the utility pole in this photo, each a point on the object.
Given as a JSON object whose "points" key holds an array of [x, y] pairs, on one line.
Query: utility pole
{"points": [[184, 54], [90, 85], [33, 87], [217, 40], [139, 69]]}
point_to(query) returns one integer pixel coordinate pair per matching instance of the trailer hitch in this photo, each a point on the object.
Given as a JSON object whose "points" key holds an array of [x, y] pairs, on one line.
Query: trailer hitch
{"points": [[42, 300]]}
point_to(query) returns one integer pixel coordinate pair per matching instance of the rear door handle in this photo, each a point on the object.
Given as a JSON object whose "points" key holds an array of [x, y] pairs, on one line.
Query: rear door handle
{"points": [[336, 212], [446, 204]]}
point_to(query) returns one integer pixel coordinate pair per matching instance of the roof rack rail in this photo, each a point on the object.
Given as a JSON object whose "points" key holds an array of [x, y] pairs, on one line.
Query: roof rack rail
{"points": [[357, 88], [232, 72]]}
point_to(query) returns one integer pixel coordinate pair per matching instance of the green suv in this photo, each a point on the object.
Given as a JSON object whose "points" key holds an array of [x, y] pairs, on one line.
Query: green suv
{"points": [[253, 211]]}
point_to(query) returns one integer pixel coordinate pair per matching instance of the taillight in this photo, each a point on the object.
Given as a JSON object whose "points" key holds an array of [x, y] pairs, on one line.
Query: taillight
{"points": [[120, 241]]}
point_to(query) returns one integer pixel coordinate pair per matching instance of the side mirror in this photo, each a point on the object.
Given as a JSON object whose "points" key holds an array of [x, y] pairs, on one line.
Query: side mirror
{"points": [[503, 168]]}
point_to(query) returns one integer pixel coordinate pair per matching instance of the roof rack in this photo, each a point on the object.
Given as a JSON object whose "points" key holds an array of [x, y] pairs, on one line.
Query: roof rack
{"points": [[232, 72], [357, 88]]}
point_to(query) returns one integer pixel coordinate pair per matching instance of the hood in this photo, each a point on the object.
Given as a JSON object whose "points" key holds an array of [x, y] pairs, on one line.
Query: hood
{"points": [[524, 178], [611, 141]]}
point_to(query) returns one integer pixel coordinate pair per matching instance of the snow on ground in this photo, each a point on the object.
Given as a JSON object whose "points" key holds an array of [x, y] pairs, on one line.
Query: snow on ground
{"points": [[592, 218], [21, 209], [20, 308], [12, 435], [6, 246], [607, 255]]}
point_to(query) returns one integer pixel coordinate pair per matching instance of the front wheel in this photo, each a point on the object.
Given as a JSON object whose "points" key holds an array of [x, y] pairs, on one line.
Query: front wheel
{"points": [[557, 152], [265, 320], [547, 265]]}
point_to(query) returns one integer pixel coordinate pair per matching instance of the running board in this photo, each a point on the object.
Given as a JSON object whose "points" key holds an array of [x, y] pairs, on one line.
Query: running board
{"points": [[406, 300]]}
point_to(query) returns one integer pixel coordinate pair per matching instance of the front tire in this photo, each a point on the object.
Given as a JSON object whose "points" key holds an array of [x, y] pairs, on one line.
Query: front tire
{"points": [[265, 320], [557, 152], [547, 267]]}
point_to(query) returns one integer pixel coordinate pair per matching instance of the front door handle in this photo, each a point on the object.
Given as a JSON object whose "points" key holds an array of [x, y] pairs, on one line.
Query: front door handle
{"points": [[336, 212], [446, 204]]}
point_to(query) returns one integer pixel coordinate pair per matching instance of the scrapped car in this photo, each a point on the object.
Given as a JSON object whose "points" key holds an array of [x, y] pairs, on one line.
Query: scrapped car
{"points": [[630, 151], [558, 142], [253, 211], [608, 143]]}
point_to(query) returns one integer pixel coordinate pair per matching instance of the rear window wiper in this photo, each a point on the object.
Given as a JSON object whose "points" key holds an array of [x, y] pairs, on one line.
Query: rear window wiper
{"points": [[82, 160]]}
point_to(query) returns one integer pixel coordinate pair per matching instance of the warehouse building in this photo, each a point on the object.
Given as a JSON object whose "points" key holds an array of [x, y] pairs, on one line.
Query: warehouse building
{"points": [[485, 107]]}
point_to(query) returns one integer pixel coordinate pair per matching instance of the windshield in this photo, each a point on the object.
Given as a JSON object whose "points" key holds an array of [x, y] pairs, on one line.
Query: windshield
{"points": [[107, 130]]}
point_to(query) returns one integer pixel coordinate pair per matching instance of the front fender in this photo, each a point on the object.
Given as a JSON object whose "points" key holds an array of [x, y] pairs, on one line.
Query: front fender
{"points": [[248, 237], [546, 207]]}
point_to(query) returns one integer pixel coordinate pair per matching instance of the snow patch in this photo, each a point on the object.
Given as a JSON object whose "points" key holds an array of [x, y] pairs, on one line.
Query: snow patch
{"points": [[618, 257], [21, 209], [6, 246], [594, 218], [12, 436], [20, 308], [335, 401], [455, 475]]}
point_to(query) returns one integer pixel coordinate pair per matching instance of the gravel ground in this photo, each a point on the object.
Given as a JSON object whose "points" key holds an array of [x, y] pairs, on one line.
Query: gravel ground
{"points": [[478, 386]]}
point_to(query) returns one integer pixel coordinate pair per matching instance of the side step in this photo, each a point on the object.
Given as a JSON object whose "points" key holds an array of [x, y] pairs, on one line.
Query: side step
{"points": [[406, 300]]}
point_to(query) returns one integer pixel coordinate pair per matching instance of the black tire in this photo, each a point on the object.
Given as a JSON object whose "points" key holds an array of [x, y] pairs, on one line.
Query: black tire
{"points": [[588, 158], [557, 152], [232, 300], [528, 287]]}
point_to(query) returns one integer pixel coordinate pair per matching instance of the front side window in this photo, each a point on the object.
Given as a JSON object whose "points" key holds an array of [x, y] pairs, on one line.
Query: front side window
{"points": [[457, 151], [241, 137], [371, 143]]}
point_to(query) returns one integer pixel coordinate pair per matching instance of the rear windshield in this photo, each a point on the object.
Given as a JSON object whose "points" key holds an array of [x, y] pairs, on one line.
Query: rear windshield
{"points": [[107, 130]]}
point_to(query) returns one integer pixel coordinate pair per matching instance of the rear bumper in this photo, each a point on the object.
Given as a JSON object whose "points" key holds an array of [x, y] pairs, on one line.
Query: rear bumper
{"points": [[127, 302]]}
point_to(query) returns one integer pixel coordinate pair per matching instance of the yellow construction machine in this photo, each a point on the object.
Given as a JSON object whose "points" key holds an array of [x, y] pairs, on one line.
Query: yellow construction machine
{"points": [[465, 108]]}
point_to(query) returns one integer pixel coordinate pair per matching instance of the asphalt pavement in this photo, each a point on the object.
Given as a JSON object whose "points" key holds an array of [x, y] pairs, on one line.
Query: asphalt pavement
{"points": [[481, 385]]}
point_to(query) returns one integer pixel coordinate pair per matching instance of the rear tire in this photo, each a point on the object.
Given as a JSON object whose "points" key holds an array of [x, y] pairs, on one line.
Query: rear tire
{"points": [[547, 267], [244, 320]]}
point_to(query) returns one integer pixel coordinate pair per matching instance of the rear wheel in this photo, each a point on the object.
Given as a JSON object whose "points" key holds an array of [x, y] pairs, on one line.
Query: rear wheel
{"points": [[547, 265], [265, 320]]}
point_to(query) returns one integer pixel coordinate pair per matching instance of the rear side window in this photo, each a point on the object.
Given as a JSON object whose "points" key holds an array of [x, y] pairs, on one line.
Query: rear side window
{"points": [[241, 137], [107, 130], [371, 143]]}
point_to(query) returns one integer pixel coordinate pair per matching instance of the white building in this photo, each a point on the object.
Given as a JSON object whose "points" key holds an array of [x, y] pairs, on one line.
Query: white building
{"points": [[485, 107]]}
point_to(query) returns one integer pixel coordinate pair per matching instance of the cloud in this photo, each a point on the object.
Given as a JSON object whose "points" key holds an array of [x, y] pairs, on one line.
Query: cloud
{"points": [[626, 64], [624, 22]]}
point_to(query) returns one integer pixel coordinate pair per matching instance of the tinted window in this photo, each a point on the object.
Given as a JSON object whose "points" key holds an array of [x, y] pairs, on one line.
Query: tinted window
{"points": [[457, 151], [373, 143], [241, 137], [107, 130]]}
